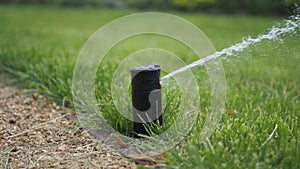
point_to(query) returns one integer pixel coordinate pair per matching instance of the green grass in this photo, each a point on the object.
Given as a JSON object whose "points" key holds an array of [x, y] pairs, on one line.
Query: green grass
{"points": [[39, 47]]}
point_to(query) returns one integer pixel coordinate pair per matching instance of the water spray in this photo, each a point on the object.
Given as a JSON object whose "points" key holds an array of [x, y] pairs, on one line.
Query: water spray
{"points": [[289, 26]]}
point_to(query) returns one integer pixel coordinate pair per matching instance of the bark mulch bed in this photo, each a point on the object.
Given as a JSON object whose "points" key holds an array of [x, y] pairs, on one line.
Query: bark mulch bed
{"points": [[37, 134]]}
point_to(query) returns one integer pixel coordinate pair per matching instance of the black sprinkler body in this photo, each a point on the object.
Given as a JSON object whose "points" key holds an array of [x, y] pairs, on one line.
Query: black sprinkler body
{"points": [[146, 97]]}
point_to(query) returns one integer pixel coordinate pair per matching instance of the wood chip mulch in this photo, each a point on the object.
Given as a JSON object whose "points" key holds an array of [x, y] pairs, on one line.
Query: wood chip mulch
{"points": [[37, 134]]}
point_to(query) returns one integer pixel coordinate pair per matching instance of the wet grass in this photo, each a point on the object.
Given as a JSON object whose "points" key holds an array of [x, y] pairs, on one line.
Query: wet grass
{"points": [[260, 126]]}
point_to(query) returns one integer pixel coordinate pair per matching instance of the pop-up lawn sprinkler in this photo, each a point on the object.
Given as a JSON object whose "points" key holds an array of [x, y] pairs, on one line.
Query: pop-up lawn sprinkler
{"points": [[146, 97]]}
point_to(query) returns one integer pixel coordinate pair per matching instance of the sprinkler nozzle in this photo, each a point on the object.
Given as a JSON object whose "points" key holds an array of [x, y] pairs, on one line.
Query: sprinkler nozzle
{"points": [[146, 97]]}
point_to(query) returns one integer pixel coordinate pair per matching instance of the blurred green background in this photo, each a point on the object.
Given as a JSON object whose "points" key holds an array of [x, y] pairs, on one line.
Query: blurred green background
{"points": [[257, 7]]}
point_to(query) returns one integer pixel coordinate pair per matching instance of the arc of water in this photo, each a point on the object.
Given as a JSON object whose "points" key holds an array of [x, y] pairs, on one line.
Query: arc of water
{"points": [[288, 26]]}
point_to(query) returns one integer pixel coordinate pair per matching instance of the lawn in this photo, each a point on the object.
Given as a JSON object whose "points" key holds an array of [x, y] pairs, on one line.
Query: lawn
{"points": [[260, 127]]}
